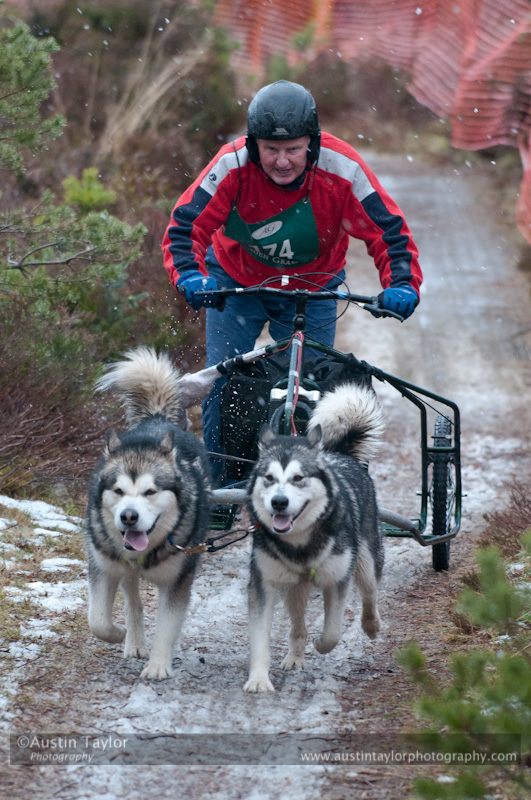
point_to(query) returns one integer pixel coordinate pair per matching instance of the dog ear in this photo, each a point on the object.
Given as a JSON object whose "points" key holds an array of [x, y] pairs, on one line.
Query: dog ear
{"points": [[166, 445], [113, 442], [267, 435], [315, 436]]}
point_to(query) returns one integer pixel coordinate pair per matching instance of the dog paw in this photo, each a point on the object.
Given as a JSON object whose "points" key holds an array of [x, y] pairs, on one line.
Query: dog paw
{"points": [[258, 685], [292, 661], [114, 634], [136, 650], [156, 672], [324, 645], [371, 626]]}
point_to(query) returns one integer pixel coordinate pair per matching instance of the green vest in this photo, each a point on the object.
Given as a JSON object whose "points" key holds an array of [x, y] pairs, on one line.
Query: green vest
{"points": [[288, 239]]}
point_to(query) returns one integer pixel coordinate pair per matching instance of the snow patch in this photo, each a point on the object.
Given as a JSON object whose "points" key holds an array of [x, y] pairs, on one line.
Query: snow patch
{"points": [[57, 597], [60, 564]]}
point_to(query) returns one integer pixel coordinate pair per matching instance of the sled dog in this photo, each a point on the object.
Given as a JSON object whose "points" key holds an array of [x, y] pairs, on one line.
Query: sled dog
{"points": [[149, 495], [314, 507]]}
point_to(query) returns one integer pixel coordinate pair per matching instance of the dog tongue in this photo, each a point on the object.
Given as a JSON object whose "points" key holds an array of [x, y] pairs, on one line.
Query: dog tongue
{"points": [[138, 540], [282, 522]]}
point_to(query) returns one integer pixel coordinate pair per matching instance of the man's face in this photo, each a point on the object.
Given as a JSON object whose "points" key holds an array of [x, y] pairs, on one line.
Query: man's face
{"points": [[283, 161]]}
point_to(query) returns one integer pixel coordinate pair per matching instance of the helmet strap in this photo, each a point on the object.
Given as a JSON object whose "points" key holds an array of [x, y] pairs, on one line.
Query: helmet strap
{"points": [[252, 149]]}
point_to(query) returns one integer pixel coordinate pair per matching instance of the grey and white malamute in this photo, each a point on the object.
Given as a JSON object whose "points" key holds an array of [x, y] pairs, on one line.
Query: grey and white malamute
{"points": [[314, 507], [149, 495]]}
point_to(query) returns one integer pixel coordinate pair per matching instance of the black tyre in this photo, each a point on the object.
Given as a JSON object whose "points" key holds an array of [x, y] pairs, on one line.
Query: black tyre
{"points": [[302, 416], [276, 420], [442, 493]]}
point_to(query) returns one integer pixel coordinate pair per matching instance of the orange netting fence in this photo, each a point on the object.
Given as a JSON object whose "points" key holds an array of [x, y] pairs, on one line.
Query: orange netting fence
{"points": [[469, 60]]}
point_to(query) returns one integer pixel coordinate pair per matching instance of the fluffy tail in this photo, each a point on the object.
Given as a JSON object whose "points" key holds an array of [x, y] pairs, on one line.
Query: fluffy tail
{"points": [[148, 385], [351, 421]]}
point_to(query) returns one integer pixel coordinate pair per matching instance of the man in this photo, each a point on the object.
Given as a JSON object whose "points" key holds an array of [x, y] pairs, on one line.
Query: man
{"points": [[282, 201]]}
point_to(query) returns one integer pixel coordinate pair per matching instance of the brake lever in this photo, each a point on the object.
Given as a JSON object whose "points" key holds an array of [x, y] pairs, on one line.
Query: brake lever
{"points": [[220, 305], [378, 312]]}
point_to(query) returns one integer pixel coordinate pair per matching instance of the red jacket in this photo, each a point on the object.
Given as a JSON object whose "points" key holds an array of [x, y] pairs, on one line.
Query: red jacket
{"points": [[346, 197]]}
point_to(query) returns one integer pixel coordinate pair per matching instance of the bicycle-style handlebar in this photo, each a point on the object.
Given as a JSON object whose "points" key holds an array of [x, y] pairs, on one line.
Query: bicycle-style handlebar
{"points": [[370, 304]]}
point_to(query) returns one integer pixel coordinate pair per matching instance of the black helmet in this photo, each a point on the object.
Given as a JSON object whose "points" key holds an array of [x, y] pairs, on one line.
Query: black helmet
{"points": [[283, 110]]}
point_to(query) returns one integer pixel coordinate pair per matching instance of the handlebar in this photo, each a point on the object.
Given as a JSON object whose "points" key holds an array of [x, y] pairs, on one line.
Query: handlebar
{"points": [[370, 304]]}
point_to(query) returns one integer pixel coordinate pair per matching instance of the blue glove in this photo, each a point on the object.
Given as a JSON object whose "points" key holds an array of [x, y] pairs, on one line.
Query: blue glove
{"points": [[193, 281], [402, 300]]}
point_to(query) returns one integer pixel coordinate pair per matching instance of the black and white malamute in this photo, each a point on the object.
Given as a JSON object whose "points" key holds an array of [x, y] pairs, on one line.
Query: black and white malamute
{"points": [[149, 494], [314, 506]]}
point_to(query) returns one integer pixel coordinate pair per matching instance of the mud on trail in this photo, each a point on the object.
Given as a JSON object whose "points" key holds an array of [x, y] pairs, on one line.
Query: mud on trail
{"points": [[469, 340]]}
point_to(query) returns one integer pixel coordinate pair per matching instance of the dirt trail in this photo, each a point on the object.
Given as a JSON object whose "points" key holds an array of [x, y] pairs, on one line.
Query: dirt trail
{"points": [[470, 340]]}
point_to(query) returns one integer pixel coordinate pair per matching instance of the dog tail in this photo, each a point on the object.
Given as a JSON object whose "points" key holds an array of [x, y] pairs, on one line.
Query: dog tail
{"points": [[148, 385], [351, 421]]}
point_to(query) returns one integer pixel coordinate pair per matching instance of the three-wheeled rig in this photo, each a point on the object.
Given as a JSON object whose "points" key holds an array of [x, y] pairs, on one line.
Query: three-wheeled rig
{"points": [[279, 384]]}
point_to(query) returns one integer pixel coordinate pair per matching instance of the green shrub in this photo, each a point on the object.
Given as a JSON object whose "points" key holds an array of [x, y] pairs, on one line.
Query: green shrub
{"points": [[88, 194]]}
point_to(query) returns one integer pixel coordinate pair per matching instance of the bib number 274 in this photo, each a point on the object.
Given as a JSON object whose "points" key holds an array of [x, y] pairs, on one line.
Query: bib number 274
{"points": [[285, 249]]}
